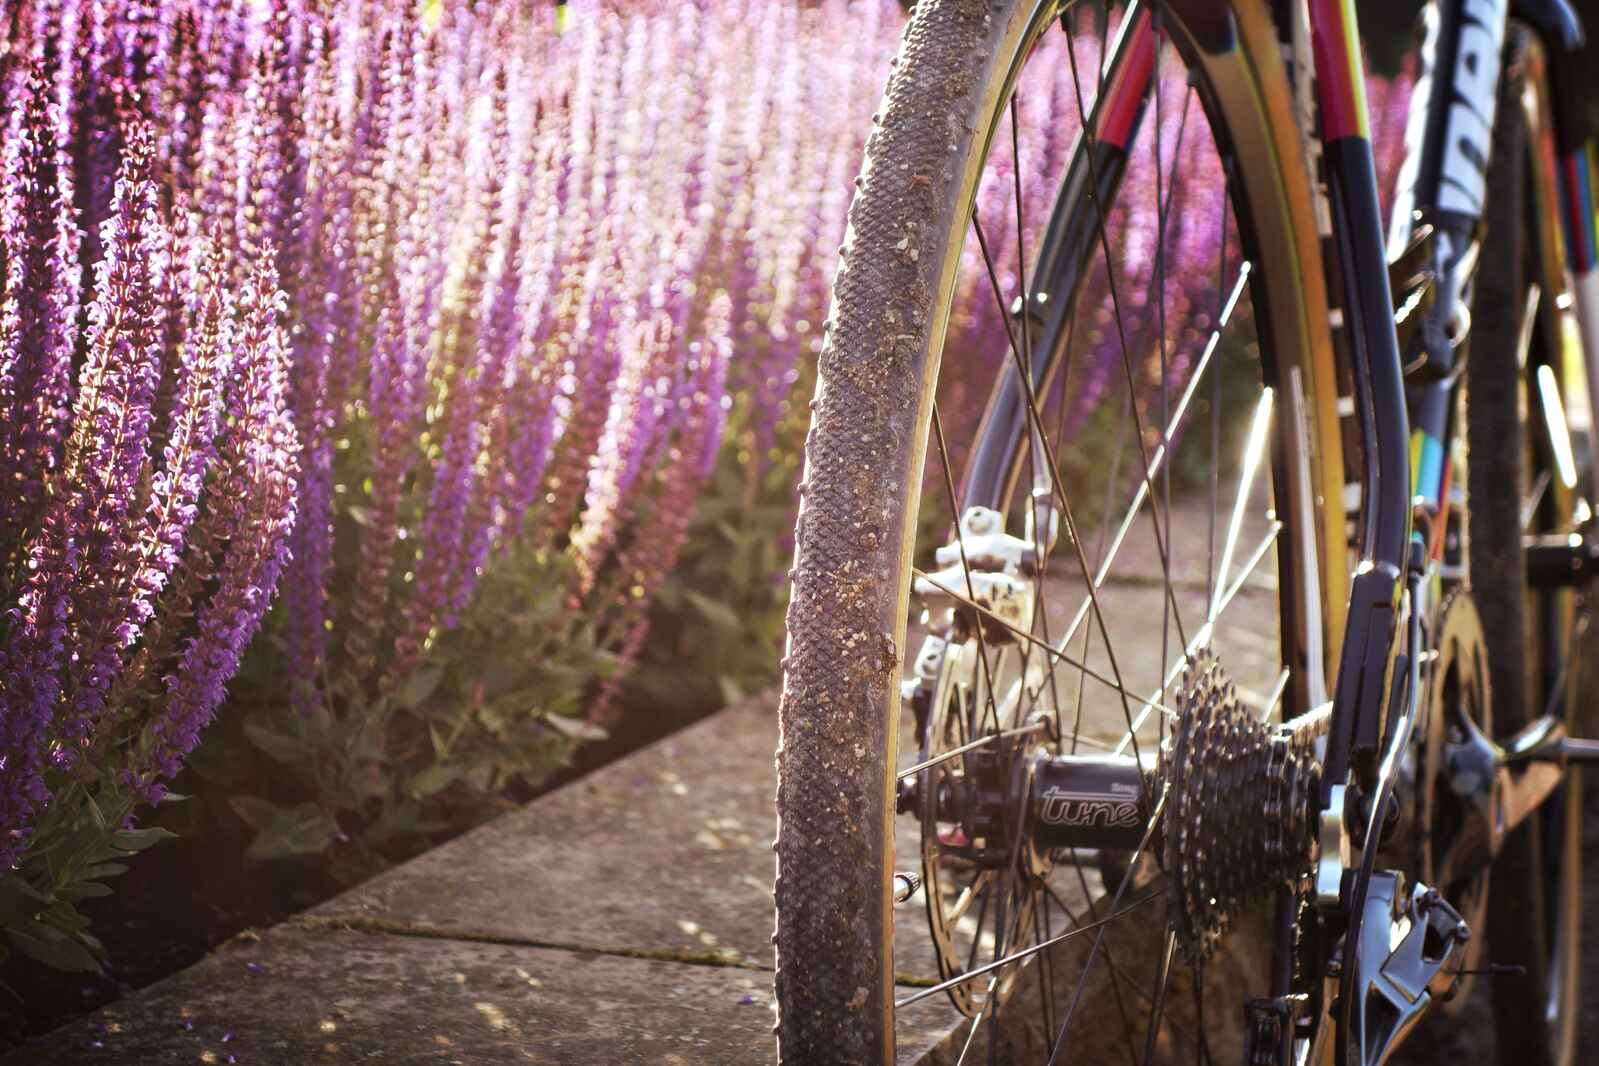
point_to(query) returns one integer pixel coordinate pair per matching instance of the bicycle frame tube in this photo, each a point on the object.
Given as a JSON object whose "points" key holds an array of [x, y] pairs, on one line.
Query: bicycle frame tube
{"points": [[1069, 246], [1443, 185], [1361, 695], [1441, 196]]}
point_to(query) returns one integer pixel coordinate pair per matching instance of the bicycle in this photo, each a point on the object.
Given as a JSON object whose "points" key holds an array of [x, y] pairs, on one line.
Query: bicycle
{"points": [[1389, 769]]}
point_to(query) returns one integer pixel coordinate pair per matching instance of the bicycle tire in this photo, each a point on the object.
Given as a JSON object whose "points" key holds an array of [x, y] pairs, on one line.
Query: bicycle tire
{"points": [[1535, 1015], [864, 456]]}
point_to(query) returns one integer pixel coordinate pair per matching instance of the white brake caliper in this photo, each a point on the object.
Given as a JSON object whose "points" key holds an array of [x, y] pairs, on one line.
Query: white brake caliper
{"points": [[994, 571], [988, 567]]}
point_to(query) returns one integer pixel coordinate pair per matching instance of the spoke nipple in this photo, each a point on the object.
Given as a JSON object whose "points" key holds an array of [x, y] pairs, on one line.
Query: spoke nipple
{"points": [[905, 886]]}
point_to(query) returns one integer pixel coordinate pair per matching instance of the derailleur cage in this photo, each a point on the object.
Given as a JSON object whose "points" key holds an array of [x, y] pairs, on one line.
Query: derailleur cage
{"points": [[1408, 941]]}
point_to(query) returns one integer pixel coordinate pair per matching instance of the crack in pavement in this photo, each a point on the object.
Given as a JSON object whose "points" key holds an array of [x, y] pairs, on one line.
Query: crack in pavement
{"points": [[372, 925]]}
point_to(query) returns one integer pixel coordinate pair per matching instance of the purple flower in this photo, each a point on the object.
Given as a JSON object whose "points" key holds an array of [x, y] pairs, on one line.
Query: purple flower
{"points": [[30, 680], [38, 310], [251, 507], [106, 462]]}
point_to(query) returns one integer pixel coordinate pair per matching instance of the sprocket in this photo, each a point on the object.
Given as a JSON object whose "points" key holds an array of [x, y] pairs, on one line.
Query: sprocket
{"points": [[1239, 805]]}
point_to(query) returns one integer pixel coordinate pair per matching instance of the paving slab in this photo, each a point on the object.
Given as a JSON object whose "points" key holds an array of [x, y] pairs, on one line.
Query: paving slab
{"points": [[623, 918], [667, 850], [309, 996]]}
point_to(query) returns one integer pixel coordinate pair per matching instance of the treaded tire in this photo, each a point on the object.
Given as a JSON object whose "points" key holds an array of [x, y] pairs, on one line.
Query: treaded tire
{"points": [[1499, 447], [846, 619]]}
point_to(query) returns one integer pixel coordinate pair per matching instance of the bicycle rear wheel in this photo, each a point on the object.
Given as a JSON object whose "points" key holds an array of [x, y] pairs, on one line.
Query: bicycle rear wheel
{"points": [[1526, 371], [1253, 577]]}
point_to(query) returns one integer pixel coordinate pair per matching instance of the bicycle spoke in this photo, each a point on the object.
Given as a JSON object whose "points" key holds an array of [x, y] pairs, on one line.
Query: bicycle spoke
{"points": [[1116, 976], [1276, 696], [1099, 937], [1055, 653], [1111, 480], [985, 899], [1054, 471], [1159, 285], [1116, 460], [1121, 332], [1223, 310], [1027, 952], [977, 1021], [1159, 1004], [1046, 966], [966, 571], [984, 1011], [1141, 494], [1119, 976], [999, 950], [1253, 561], [1253, 452], [955, 753], [1167, 681]]}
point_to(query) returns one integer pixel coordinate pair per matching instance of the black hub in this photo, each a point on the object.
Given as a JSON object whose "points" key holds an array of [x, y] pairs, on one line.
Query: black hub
{"points": [[1089, 801], [1561, 560]]}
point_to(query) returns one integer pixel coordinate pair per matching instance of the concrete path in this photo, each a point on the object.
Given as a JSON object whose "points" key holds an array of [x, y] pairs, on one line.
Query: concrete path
{"points": [[625, 918]]}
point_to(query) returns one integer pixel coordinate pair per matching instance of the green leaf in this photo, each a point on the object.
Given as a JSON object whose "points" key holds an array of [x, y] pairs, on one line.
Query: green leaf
{"points": [[54, 948], [95, 813], [731, 692], [135, 840], [718, 614], [19, 901], [434, 779], [305, 830], [104, 869], [257, 813], [84, 890], [419, 686], [279, 746]]}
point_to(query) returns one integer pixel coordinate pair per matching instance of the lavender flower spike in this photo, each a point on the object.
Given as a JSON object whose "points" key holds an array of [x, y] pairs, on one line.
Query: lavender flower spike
{"points": [[38, 310], [107, 455], [252, 504]]}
